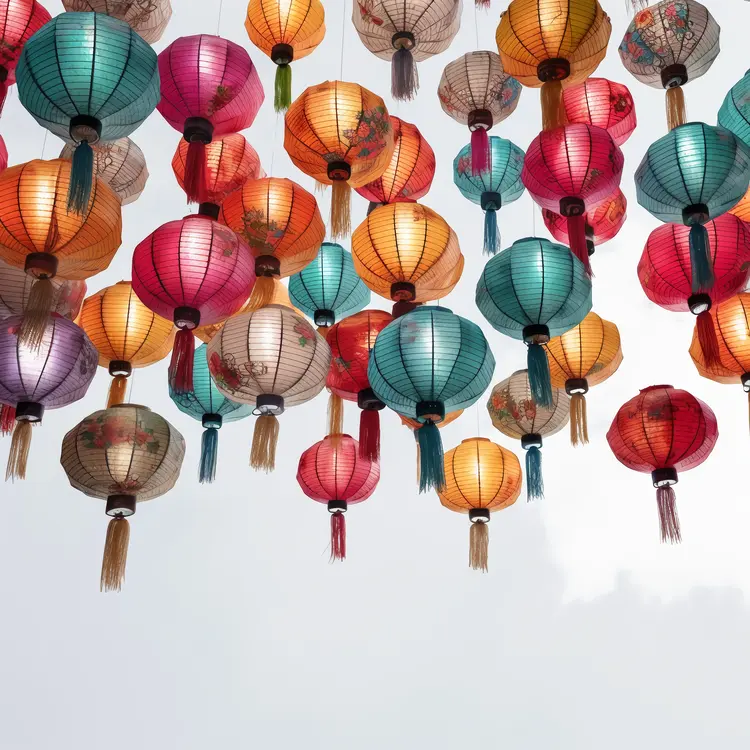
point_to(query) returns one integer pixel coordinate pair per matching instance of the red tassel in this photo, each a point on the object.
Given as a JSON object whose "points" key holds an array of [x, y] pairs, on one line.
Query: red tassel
{"points": [[577, 238], [7, 419], [707, 339], [181, 366], [669, 522], [338, 536], [369, 434], [195, 172], [480, 151]]}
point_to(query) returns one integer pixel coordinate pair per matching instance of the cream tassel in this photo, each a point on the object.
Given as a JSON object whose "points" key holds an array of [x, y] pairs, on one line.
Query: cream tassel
{"points": [[479, 543], [676, 114], [579, 429], [115, 554], [341, 224], [36, 315], [335, 416], [265, 439], [19, 450], [262, 293], [552, 111]]}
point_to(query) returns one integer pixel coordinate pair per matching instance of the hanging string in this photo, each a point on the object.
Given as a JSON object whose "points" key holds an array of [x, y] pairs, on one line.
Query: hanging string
{"points": [[476, 407], [533, 219], [44, 142], [343, 39], [476, 25], [218, 21], [273, 144]]}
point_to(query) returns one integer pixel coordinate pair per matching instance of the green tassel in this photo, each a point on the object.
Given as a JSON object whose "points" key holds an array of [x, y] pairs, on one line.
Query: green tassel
{"points": [[534, 481], [282, 90], [81, 178], [700, 259], [432, 471], [539, 378], [209, 453], [491, 234]]}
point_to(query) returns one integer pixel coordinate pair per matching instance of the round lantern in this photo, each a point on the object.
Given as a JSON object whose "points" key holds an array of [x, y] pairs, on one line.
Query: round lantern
{"points": [[409, 174], [19, 20], [333, 471], [570, 170], [285, 32], [602, 103], [499, 185], [149, 18], [583, 357], [406, 33], [125, 333], [124, 455], [3, 151], [516, 414], [742, 209], [475, 90], [425, 364], [87, 77], [669, 44], [209, 88], [533, 291], [193, 271], [212, 408], [55, 374], [734, 114], [273, 359], [480, 478], [663, 430], [543, 43], [340, 134]]}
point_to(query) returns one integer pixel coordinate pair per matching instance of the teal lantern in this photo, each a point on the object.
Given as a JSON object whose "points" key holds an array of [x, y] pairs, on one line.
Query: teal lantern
{"points": [[692, 175], [491, 190], [734, 114], [533, 291], [87, 77], [328, 289], [425, 364], [206, 403]]}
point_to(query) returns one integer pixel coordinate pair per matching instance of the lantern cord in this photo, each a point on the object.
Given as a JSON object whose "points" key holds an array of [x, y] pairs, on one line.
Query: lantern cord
{"points": [[676, 113], [209, 455], [81, 178], [369, 434], [181, 365], [480, 151], [341, 225], [551, 96], [7, 419], [282, 88], [491, 232], [218, 20], [701, 266], [534, 479], [343, 38], [19, 450], [484, 5], [577, 237], [117, 390], [404, 76], [335, 416], [479, 544], [476, 412], [748, 409], [262, 293], [539, 377], [579, 429], [115, 554], [418, 457], [669, 521], [265, 440], [338, 536], [431, 469], [44, 143], [36, 316], [707, 339], [273, 147]]}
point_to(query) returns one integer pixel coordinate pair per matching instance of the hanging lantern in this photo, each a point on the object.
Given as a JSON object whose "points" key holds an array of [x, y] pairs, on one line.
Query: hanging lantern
{"points": [[212, 408], [3, 151], [19, 20], [544, 43], [742, 209], [148, 18], [340, 134], [124, 455], [669, 44], [475, 90], [409, 174], [333, 471], [425, 364], [516, 414], [602, 103], [273, 359], [663, 430], [480, 478], [405, 34], [281, 224], [734, 114], [125, 333], [193, 271], [533, 291], [209, 89], [38, 234], [499, 185], [583, 357], [87, 77], [55, 374], [285, 31], [570, 170]]}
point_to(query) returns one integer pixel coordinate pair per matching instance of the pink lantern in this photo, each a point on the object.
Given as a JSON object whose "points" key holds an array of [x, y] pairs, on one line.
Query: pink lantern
{"points": [[3, 152], [19, 21]]}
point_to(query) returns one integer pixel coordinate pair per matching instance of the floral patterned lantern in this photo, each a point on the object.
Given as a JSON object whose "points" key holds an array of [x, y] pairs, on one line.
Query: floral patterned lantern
{"points": [[19, 20], [602, 103], [734, 114], [148, 17]]}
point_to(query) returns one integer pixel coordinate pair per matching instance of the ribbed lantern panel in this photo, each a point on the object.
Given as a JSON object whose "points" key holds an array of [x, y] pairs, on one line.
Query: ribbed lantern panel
{"points": [[298, 23]]}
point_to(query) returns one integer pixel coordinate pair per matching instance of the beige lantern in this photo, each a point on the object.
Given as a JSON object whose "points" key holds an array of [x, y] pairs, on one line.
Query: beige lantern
{"points": [[148, 17]]}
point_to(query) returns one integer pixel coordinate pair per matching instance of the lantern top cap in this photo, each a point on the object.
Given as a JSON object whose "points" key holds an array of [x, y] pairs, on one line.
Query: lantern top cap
{"points": [[130, 406], [476, 440], [655, 388]]}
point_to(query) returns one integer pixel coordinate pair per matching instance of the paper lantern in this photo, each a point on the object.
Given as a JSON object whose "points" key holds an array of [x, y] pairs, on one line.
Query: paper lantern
{"points": [[480, 478], [124, 455], [340, 134], [570, 170], [125, 333], [55, 374], [209, 88], [193, 271], [734, 114], [148, 17], [475, 90], [602, 103], [533, 291], [583, 357], [285, 31], [409, 174], [273, 359], [87, 77], [212, 408], [334, 472], [406, 33], [742, 209], [663, 430], [19, 20], [669, 44], [499, 185], [516, 414], [3, 152], [548, 44], [425, 364]]}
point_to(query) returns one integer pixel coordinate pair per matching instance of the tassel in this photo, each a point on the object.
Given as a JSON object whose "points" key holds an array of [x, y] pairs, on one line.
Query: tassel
{"points": [[552, 111], [701, 266], [209, 454], [262, 293], [81, 178], [338, 536], [19, 451], [369, 434], [335, 415], [707, 339], [676, 114], [115, 554], [534, 480], [265, 439], [320, 187], [480, 151], [431, 469], [282, 88], [117, 389], [482, 4], [195, 172], [7, 419], [578, 244], [579, 429], [539, 377], [404, 77], [491, 232], [341, 225], [419, 457], [479, 544], [181, 365], [36, 315], [669, 522]]}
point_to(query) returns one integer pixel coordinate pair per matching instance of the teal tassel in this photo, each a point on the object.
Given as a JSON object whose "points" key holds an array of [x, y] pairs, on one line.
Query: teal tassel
{"points": [[700, 259], [81, 178], [539, 379], [534, 480], [491, 233], [282, 89], [209, 453], [432, 471]]}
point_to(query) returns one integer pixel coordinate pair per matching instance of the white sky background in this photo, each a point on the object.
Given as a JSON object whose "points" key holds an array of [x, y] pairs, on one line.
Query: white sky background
{"points": [[233, 631]]}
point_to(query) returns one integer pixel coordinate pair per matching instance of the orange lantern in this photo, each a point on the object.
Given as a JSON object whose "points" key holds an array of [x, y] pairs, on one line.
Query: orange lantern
{"points": [[742, 209]]}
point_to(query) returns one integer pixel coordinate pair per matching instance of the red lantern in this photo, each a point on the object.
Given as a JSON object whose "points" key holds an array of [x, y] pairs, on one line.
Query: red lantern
{"points": [[663, 430], [333, 472], [19, 20]]}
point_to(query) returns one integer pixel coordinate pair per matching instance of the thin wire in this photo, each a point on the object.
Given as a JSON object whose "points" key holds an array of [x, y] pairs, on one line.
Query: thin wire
{"points": [[44, 143], [273, 147], [343, 38], [218, 21], [479, 432], [476, 24], [533, 218]]}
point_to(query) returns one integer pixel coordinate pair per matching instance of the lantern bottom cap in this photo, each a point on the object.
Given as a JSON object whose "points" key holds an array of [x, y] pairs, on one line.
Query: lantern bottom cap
{"points": [[664, 477], [337, 506], [479, 515], [121, 505], [531, 440]]}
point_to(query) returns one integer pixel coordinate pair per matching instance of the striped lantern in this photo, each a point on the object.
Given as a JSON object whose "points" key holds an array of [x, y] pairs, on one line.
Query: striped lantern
{"points": [[602, 103], [19, 20], [148, 17]]}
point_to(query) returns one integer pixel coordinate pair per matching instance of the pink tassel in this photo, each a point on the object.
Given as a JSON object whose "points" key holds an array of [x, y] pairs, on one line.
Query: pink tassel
{"points": [[181, 366], [480, 151], [7, 419], [577, 239], [338, 536], [669, 522], [369, 434], [482, 4], [707, 338], [195, 172]]}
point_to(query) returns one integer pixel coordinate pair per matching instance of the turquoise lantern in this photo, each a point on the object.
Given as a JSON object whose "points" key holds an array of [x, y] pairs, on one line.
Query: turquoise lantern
{"points": [[692, 175], [87, 77], [328, 289], [734, 114], [207, 404], [533, 291], [424, 365], [493, 189]]}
